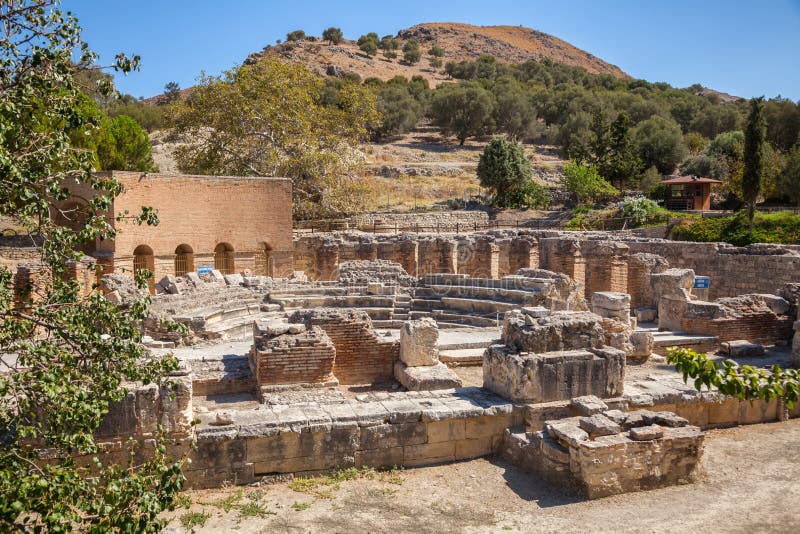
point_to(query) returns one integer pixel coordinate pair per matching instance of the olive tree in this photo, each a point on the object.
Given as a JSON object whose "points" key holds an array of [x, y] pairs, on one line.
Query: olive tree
{"points": [[504, 169]]}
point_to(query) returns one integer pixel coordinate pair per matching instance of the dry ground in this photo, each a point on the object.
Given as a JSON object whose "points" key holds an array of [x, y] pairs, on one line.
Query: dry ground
{"points": [[747, 482]]}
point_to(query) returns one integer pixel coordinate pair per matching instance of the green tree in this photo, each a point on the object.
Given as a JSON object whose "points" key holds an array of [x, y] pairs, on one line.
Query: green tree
{"points": [[266, 119], [411, 52], [753, 158], [461, 109], [172, 92], [333, 35], [620, 164], [649, 180], [389, 45], [660, 143], [585, 183], [131, 150], [513, 112], [399, 110], [369, 43], [436, 54], [296, 35], [789, 179], [73, 353], [505, 170]]}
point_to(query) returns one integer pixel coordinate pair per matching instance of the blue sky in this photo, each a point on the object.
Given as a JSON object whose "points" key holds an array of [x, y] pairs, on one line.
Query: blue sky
{"points": [[746, 48]]}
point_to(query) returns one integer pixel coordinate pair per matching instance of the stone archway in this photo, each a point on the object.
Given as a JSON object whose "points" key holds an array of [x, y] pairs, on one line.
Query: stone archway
{"points": [[224, 260], [143, 259], [184, 259]]}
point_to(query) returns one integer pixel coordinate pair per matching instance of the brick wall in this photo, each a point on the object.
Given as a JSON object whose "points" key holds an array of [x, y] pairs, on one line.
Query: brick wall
{"points": [[202, 211], [606, 266], [756, 327], [292, 358], [361, 356], [640, 266]]}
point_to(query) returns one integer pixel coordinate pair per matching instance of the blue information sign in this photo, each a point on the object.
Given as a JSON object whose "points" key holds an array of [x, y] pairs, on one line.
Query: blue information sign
{"points": [[702, 282], [204, 269]]}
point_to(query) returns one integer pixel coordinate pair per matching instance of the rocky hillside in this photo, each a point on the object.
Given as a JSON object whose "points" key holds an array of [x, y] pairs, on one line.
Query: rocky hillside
{"points": [[509, 44]]}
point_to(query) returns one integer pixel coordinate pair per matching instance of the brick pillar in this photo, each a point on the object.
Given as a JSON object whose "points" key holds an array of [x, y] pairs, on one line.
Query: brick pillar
{"points": [[563, 255], [486, 258], [437, 255], [640, 266], [523, 254], [606, 266], [366, 250], [30, 283], [465, 252]]}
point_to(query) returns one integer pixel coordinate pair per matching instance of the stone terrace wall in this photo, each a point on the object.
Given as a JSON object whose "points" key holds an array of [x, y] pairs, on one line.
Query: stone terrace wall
{"points": [[361, 356], [756, 318], [733, 270], [445, 221], [600, 261]]}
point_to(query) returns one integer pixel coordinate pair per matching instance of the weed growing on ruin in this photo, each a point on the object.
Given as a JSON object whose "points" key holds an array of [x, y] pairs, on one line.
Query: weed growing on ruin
{"points": [[183, 501], [254, 509], [228, 503], [300, 506], [190, 520], [311, 484]]}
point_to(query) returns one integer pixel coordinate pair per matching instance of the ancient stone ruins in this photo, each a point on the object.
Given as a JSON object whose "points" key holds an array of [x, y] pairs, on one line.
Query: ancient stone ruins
{"points": [[366, 355]]}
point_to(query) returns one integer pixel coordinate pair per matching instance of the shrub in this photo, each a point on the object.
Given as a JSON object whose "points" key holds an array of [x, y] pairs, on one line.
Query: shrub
{"points": [[297, 35], [585, 184], [504, 169], [637, 209], [333, 35]]}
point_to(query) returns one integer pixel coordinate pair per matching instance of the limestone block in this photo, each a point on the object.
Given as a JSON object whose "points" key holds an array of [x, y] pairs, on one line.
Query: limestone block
{"points": [[446, 430], [426, 377], [598, 425], [671, 309], [234, 279], [610, 300], [169, 284], [217, 276], [741, 348], [646, 433], [194, 279], [674, 282], [114, 298], [588, 405], [645, 315], [536, 311], [419, 342], [643, 344], [392, 435], [551, 376], [562, 330]]}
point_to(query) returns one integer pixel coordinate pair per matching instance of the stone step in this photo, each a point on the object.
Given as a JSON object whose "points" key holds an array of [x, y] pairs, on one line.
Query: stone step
{"points": [[347, 301], [462, 356], [513, 295], [477, 305], [699, 343]]}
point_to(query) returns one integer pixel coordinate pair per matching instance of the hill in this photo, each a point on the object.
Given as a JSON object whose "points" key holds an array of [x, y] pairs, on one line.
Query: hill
{"points": [[461, 42]]}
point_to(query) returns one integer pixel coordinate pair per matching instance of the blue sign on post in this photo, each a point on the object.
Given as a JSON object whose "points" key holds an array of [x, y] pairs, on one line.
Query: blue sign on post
{"points": [[701, 282], [204, 269]]}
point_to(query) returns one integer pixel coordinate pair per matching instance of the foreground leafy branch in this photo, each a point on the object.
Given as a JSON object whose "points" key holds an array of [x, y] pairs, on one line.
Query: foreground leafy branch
{"points": [[744, 382]]}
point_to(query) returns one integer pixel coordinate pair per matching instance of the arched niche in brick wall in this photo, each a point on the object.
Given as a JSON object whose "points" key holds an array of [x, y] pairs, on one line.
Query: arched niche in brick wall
{"points": [[264, 262], [143, 259], [184, 259], [224, 260]]}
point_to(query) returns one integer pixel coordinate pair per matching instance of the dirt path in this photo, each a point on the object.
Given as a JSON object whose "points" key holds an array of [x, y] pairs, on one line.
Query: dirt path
{"points": [[747, 482]]}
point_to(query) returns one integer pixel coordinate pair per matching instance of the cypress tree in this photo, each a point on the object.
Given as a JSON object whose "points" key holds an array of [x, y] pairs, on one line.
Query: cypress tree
{"points": [[754, 135]]}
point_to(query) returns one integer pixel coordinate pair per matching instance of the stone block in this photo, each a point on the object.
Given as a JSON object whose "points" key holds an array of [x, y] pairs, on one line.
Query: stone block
{"points": [[588, 405], [645, 315], [757, 411], [426, 377], [446, 430], [675, 282], [536, 312], [217, 276], [646, 433], [393, 435], [475, 448], [234, 279], [741, 348], [598, 425], [429, 453], [669, 419], [610, 300], [419, 342], [723, 413], [643, 345], [386, 457], [487, 426]]}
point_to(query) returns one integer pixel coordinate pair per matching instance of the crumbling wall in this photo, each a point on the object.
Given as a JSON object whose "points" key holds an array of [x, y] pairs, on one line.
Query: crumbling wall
{"points": [[606, 266], [437, 255], [757, 318], [563, 255], [640, 266], [361, 356], [291, 354]]}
